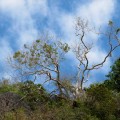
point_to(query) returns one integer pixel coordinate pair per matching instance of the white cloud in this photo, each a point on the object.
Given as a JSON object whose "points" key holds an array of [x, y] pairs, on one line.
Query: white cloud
{"points": [[21, 12], [96, 55], [11, 5], [22, 6], [23, 25], [38, 6], [5, 49], [98, 12]]}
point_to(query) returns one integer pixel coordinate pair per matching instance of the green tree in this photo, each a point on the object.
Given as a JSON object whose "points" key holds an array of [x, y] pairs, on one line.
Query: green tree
{"points": [[42, 58], [33, 94], [113, 81], [101, 101]]}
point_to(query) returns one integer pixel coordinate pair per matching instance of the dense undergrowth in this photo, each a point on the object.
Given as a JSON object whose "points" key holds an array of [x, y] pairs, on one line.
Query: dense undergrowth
{"points": [[30, 101], [98, 103]]}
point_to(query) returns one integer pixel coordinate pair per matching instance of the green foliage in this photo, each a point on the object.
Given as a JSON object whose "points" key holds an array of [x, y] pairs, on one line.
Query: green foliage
{"points": [[110, 23], [17, 54], [101, 101], [19, 114], [113, 81], [6, 86], [118, 30], [33, 94], [42, 58], [41, 53]]}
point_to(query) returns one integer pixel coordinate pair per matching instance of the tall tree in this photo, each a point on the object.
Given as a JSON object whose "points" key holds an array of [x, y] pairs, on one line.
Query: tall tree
{"points": [[83, 48], [42, 58]]}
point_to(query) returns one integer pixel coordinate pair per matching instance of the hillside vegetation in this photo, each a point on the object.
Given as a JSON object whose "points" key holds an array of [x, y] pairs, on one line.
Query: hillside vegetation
{"points": [[30, 101]]}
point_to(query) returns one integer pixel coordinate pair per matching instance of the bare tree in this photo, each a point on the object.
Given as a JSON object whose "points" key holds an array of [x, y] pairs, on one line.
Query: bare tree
{"points": [[83, 48]]}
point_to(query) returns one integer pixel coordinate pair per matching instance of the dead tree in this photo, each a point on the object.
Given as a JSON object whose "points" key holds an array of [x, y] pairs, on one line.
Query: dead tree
{"points": [[83, 47]]}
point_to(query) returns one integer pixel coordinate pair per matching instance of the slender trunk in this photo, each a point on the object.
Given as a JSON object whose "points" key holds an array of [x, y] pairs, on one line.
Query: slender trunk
{"points": [[81, 83], [58, 79], [79, 88]]}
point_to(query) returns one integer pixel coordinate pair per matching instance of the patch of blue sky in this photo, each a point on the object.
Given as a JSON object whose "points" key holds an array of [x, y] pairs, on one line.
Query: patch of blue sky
{"points": [[67, 6], [51, 22], [5, 24], [6, 31]]}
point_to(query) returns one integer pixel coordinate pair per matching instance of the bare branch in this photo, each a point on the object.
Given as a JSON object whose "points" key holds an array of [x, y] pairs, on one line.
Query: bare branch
{"points": [[82, 48]]}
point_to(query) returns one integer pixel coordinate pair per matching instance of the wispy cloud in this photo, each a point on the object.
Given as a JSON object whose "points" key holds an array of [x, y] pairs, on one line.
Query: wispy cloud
{"points": [[27, 15], [20, 13], [98, 13]]}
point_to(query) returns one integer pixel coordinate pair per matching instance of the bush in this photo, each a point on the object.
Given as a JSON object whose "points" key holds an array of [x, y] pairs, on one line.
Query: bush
{"points": [[33, 94], [100, 100]]}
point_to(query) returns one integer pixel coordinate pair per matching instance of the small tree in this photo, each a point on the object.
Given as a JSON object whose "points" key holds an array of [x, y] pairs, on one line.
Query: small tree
{"points": [[34, 94], [101, 102], [42, 58], [83, 48]]}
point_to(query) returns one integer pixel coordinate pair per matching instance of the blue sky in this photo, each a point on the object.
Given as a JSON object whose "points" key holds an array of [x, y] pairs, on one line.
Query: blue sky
{"points": [[23, 21]]}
